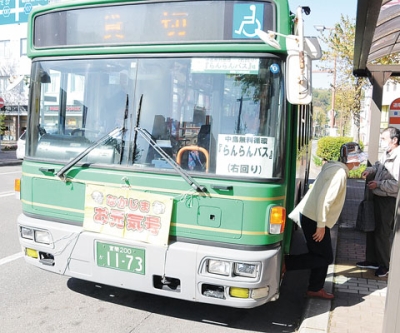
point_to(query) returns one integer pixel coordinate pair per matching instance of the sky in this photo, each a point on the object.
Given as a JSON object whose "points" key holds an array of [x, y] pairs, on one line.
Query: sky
{"points": [[325, 13]]}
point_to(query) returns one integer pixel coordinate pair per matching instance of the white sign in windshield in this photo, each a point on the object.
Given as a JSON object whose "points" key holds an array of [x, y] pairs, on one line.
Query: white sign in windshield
{"points": [[245, 155], [226, 65]]}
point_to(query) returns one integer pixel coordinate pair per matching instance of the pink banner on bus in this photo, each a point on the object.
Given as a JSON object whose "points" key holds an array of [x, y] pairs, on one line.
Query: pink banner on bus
{"points": [[124, 213]]}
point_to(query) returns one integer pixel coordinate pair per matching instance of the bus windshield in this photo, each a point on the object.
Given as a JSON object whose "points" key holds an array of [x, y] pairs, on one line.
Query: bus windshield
{"points": [[219, 116]]}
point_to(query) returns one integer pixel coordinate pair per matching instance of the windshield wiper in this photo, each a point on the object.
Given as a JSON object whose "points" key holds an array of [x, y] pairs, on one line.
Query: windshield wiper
{"points": [[103, 140], [136, 126], [147, 136], [124, 129]]}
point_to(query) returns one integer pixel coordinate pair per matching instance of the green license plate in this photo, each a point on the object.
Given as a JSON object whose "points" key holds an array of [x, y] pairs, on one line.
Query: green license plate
{"points": [[121, 257]]}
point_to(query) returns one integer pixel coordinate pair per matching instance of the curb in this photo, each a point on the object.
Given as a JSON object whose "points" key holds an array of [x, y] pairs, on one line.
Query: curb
{"points": [[10, 163], [8, 158]]}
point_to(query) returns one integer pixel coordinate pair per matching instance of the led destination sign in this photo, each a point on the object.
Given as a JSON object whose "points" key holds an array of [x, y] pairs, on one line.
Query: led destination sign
{"points": [[154, 23]]}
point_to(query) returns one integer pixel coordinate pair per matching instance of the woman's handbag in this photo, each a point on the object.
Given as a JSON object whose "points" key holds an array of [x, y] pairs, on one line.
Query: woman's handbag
{"points": [[365, 217]]}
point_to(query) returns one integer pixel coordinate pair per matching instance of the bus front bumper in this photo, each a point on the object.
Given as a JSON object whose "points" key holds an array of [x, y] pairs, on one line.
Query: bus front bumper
{"points": [[188, 271]]}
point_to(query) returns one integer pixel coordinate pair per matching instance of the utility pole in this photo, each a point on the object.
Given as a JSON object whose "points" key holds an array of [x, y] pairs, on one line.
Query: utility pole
{"points": [[333, 86]]}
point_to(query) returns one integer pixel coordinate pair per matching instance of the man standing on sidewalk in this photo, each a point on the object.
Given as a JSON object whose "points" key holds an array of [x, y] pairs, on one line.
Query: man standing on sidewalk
{"points": [[384, 186], [317, 212]]}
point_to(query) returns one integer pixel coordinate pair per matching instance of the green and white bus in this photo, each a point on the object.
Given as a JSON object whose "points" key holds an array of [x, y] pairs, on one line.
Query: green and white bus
{"points": [[166, 142]]}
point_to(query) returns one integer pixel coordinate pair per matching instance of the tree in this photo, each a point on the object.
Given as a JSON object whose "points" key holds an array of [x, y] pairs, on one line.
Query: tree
{"points": [[2, 123], [9, 69], [321, 106], [347, 88], [18, 94]]}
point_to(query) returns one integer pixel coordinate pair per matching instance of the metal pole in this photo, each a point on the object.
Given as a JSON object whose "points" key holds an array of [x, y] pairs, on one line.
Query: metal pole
{"points": [[19, 102], [332, 123], [18, 123]]}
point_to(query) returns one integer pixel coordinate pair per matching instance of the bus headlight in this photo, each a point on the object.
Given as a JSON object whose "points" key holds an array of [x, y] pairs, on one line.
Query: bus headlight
{"points": [[243, 269], [39, 236], [219, 267], [277, 220], [42, 236], [26, 233]]}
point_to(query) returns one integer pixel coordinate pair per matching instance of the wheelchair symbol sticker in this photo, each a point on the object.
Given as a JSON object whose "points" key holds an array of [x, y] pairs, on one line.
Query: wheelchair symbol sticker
{"points": [[246, 19]]}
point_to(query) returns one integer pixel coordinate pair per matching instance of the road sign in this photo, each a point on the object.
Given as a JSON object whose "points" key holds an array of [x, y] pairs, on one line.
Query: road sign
{"points": [[394, 113], [1, 103], [17, 11]]}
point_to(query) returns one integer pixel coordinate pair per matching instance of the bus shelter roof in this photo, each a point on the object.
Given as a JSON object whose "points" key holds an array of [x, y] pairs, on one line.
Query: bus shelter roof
{"points": [[377, 35]]}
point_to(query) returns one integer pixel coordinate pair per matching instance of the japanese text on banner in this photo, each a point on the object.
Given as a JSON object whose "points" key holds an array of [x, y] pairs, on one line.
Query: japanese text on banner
{"points": [[129, 214]]}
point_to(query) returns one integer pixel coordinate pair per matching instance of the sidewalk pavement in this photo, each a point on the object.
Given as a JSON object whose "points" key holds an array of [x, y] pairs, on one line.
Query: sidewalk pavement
{"points": [[360, 297]]}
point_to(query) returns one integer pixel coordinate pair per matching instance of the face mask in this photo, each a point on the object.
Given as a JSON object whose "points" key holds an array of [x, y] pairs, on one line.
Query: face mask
{"points": [[384, 145], [355, 167]]}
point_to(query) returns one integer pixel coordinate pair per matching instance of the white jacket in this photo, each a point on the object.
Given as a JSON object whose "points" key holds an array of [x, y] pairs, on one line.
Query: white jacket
{"points": [[324, 202]]}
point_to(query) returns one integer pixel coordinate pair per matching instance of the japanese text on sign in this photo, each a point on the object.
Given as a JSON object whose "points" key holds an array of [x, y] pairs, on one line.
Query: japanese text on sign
{"points": [[113, 27], [128, 214], [227, 65], [175, 23], [245, 155]]}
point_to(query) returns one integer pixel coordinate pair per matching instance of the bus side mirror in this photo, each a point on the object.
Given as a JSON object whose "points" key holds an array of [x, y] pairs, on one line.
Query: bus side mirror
{"points": [[299, 68], [312, 48], [298, 79]]}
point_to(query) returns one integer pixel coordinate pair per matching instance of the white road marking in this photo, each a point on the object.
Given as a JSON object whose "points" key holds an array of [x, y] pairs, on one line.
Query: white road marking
{"points": [[9, 173], [7, 194], [11, 258]]}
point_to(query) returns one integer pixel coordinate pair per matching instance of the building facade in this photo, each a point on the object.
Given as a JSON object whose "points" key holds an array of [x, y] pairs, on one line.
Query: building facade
{"points": [[14, 64]]}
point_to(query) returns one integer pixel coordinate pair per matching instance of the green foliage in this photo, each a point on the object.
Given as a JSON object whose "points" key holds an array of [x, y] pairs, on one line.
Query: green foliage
{"points": [[329, 147], [357, 173], [2, 123], [322, 98], [347, 88], [317, 161], [321, 106]]}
